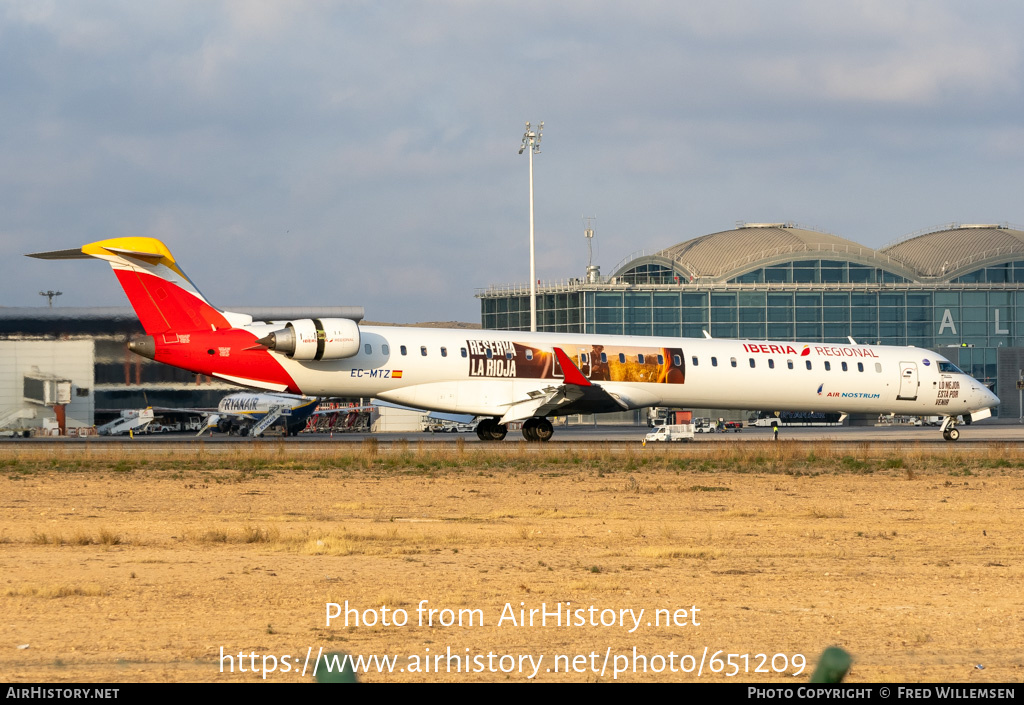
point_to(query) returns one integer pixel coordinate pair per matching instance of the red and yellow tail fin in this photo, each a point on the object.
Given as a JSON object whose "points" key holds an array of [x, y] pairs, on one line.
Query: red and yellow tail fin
{"points": [[163, 297]]}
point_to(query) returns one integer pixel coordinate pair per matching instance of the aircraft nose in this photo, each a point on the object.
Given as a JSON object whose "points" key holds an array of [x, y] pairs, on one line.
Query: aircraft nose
{"points": [[983, 397], [990, 398]]}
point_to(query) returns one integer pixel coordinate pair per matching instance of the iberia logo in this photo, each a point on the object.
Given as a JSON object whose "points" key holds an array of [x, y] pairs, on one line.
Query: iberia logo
{"points": [[806, 351]]}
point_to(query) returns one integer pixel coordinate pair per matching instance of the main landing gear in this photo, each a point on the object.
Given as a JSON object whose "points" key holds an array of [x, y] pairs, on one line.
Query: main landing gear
{"points": [[491, 430], [538, 429], [535, 429]]}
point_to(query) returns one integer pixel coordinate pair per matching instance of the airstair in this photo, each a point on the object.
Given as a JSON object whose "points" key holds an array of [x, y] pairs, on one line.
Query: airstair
{"points": [[131, 420]]}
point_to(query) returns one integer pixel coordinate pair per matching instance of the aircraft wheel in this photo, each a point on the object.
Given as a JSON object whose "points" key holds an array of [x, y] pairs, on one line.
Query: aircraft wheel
{"points": [[498, 431], [530, 429], [491, 430], [483, 429], [954, 434], [543, 430]]}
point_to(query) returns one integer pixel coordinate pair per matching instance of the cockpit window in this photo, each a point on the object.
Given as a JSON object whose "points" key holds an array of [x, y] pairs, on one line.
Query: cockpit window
{"points": [[949, 367]]}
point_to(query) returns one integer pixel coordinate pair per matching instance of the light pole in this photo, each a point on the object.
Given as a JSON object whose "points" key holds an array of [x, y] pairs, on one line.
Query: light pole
{"points": [[531, 140]]}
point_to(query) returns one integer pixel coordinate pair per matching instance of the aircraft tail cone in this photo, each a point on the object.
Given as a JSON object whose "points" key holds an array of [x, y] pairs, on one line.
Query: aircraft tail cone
{"points": [[144, 347]]}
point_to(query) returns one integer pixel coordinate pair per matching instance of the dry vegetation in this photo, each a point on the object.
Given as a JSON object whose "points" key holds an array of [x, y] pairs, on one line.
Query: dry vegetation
{"points": [[132, 564]]}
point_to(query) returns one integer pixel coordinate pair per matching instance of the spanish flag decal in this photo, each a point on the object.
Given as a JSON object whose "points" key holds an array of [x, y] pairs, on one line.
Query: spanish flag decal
{"points": [[396, 374]]}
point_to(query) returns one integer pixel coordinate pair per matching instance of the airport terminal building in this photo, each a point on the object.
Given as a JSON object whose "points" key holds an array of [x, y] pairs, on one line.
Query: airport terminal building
{"points": [[958, 290]]}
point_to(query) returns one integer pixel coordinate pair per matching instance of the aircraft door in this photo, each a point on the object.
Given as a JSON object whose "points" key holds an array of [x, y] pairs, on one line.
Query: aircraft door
{"points": [[908, 381]]}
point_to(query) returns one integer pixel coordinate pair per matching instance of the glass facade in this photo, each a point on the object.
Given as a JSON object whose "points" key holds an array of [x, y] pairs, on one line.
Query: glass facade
{"points": [[650, 274], [817, 272], [997, 274]]}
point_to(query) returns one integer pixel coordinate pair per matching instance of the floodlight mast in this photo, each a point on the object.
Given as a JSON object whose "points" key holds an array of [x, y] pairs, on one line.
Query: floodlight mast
{"points": [[49, 294], [531, 141]]}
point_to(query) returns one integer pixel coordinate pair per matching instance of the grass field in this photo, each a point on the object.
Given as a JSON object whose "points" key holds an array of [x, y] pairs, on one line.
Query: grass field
{"points": [[120, 566]]}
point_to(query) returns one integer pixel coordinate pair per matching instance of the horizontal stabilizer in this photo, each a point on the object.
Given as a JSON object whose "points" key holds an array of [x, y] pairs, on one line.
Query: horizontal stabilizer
{"points": [[135, 254], [144, 248], [61, 254], [164, 298]]}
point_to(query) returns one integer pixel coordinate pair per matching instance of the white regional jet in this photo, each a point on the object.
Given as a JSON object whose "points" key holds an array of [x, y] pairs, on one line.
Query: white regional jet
{"points": [[508, 376]]}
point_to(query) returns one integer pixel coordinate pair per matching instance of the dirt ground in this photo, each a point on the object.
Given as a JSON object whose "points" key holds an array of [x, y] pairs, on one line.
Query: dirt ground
{"points": [[192, 568]]}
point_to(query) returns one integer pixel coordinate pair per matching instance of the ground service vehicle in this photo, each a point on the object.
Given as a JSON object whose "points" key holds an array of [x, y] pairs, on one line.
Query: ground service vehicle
{"points": [[675, 432]]}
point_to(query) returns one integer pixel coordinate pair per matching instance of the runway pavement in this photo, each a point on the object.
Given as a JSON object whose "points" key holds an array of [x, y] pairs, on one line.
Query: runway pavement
{"points": [[985, 432]]}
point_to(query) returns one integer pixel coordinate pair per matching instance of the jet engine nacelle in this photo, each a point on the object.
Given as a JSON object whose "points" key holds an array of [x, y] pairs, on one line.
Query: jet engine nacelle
{"points": [[315, 339]]}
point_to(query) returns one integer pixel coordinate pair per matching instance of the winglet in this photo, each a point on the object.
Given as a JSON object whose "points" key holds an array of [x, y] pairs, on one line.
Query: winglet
{"points": [[569, 369]]}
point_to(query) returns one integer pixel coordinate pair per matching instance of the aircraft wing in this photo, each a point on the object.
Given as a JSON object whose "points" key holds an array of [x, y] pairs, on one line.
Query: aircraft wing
{"points": [[181, 410], [439, 415], [207, 413], [185, 410], [544, 401]]}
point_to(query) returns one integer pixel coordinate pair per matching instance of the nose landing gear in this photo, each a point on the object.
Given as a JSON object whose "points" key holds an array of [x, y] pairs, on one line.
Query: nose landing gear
{"points": [[949, 429]]}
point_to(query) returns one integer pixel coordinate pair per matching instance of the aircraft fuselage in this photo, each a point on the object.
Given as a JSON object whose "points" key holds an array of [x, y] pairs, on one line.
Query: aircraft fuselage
{"points": [[481, 372]]}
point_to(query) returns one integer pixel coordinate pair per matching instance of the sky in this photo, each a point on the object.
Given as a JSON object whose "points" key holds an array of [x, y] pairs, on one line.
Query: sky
{"points": [[366, 153]]}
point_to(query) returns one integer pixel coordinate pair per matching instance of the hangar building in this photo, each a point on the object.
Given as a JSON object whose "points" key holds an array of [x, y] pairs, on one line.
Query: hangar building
{"points": [[958, 289]]}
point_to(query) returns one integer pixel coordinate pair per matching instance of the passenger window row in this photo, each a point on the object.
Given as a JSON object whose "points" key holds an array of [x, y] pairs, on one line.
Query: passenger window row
{"points": [[695, 361], [423, 350]]}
